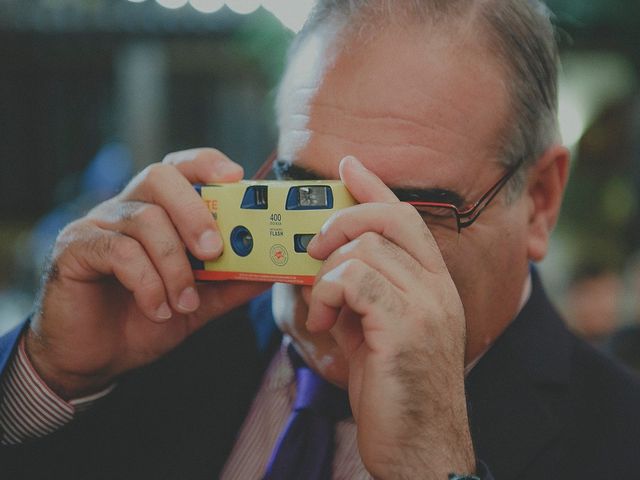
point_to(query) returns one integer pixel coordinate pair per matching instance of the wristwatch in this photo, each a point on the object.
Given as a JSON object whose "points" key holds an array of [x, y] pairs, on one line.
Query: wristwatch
{"points": [[455, 476]]}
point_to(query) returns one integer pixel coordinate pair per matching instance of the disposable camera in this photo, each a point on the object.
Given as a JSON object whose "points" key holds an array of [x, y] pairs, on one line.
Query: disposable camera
{"points": [[266, 227]]}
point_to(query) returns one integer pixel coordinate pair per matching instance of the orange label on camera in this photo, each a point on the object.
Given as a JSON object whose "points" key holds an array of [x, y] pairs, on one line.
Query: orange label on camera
{"points": [[209, 275]]}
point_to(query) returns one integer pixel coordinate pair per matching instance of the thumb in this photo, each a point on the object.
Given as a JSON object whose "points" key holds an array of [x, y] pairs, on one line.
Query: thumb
{"points": [[363, 184]]}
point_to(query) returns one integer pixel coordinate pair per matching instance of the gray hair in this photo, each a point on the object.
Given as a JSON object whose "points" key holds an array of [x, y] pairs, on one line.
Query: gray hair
{"points": [[520, 34]]}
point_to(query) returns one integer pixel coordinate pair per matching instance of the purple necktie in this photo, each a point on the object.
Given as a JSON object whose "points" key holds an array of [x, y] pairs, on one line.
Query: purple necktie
{"points": [[304, 449]]}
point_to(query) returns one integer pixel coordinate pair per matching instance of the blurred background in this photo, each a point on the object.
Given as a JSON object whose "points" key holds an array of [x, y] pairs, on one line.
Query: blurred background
{"points": [[94, 90]]}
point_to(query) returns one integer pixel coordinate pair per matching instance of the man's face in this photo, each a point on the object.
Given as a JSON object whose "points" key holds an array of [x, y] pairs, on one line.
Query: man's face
{"points": [[421, 111]]}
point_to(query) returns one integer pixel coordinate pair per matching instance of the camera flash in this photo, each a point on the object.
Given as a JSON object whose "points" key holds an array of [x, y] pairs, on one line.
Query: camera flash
{"points": [[313, 197]]}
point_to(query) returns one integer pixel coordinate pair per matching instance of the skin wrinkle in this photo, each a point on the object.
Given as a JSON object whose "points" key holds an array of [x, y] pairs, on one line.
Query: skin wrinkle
{"points": [[169, 248], [396, 117], [100, 247], [486, 175], [471, 190], [368, 142], [373, 290], [399, 115], [381, 242], [449, 108], [399, 255], [143, 279], [127, 211], [123, 251], [149, 214], [440, 40]]}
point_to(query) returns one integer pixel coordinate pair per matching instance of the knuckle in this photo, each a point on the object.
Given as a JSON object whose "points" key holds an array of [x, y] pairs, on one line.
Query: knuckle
{"points": [[370, 288], [354, 269], [69, 238], [334, 219], [208, 153], [127, 211], [122, 249], [170, 158], [149, 214], [70, 233], [156, 173], [405, 209], [148, 282], [194, 205], [77, 236], [102, 209], [371, 239], [169, 248], [388, 247], [371, 244]]}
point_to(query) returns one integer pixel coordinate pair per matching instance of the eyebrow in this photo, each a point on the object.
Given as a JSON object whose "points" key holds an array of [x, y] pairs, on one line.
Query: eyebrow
{"points": [[288, 171]]}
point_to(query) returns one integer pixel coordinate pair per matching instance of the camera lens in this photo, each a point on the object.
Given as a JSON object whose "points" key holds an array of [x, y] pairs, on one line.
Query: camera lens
{"points": [[241, 241]]}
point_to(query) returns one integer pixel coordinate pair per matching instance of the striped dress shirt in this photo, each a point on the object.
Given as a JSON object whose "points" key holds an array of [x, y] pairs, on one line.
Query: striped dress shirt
{"points": [[29, 409]]}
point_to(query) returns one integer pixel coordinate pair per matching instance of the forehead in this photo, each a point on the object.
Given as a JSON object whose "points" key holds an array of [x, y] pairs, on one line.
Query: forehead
{"points": [[430, 103]]}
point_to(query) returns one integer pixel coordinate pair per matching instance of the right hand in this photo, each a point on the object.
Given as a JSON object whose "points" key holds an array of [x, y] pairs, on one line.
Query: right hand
{"points": [[119, 292]]}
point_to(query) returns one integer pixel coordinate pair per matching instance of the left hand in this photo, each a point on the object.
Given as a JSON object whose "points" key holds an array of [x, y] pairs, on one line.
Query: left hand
{"points": [[386, 296]]}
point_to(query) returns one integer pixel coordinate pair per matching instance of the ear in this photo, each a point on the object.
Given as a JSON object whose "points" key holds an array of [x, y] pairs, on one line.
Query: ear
{"points": [[545, 189]]}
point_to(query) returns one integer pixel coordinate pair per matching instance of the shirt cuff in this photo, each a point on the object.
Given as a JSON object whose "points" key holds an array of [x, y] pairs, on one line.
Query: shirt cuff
{"points": [[29, 408]]}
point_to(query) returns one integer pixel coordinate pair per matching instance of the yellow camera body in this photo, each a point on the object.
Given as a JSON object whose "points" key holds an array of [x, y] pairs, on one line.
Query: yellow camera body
{"points": [[266, 226]]}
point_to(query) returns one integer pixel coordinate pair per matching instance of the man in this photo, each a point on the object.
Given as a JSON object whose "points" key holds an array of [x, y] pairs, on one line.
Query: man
{"points": [[448, 103]]}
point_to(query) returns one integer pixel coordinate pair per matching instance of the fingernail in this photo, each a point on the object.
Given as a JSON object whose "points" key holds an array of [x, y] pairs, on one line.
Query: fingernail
{"points": [[189, 300], [210, 242], [163, 312], [354, 161], [227, 168], [349, 159], [312, 242]]}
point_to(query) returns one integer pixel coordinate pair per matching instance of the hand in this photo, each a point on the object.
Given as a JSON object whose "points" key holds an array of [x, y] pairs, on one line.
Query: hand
{"points": [[120, 292], [386, 296]]}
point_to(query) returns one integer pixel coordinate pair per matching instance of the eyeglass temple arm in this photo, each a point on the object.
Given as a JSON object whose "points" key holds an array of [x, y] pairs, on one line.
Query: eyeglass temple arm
{"points": [[466, 218], [266, 167]]}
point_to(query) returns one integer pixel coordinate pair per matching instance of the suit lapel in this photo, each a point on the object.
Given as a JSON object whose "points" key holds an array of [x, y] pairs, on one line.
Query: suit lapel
{"points": [[517, 392]]}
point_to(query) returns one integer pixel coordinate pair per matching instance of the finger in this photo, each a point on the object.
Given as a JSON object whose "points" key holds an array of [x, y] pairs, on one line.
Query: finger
{"points": [[363, 184], [90, 253], [205, 165], [150, 225], [398, 222], [347, 332], [364, 290], [165, 186], [382, 255]]}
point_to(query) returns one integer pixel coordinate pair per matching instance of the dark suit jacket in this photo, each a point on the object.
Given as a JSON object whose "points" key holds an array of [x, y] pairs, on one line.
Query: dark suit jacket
{"points": [[543, 405]]}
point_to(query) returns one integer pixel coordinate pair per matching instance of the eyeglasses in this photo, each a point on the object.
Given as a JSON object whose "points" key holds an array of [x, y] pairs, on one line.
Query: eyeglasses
{"points": [[434, 213], [443, 212]]}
